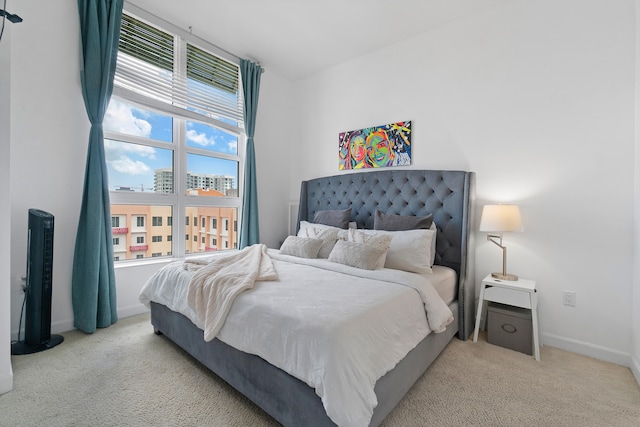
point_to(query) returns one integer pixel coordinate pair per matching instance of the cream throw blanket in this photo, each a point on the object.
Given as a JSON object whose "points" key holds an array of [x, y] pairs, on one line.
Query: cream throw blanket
{"points": [[215, 285]]}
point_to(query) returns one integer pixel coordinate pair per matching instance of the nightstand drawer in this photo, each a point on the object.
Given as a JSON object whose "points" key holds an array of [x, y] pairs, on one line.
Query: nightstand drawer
{"points": [[507, 296]]}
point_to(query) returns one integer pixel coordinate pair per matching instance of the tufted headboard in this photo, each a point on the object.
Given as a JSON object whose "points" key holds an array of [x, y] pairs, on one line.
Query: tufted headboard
{"points": [[448, 195]]}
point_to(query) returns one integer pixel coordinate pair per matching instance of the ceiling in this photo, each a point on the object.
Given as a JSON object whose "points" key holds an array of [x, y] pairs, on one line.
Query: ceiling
{"points": [[296, 38]]}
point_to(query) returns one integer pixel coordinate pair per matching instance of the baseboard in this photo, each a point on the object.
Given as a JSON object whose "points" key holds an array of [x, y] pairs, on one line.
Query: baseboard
{"points": [[6, 382], [588, 349], [67, 325], [132, 311]]}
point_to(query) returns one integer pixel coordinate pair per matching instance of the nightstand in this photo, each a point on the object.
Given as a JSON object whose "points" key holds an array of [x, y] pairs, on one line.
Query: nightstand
{"points": [[517, 293]]}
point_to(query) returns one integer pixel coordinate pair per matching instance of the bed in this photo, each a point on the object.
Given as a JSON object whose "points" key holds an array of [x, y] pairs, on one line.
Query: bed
{"points": [[447, 195]]}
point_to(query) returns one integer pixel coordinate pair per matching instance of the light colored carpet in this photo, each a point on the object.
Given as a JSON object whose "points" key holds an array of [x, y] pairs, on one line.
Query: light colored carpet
{"points": [[127, 376]]}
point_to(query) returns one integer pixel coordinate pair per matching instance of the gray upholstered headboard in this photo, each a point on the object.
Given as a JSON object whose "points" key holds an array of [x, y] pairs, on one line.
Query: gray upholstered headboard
{"points": [[448, 195]]}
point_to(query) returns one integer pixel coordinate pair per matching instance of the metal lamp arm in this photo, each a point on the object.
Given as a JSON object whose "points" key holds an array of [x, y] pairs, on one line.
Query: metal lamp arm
{"points": [[492, 238]]}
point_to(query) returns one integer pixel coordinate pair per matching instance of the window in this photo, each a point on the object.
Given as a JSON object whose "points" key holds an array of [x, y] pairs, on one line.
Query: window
{"points": [[116, 241], [202, 222], [139, 240], [214, 223], [174, 134], [115, 222]]}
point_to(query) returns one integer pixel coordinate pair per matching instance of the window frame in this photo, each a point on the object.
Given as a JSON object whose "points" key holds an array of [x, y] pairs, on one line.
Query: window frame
{"points": [[179, 201]]}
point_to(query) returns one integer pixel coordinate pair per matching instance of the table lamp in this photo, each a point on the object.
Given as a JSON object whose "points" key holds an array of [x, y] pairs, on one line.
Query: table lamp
{"points": [[495, 220]]}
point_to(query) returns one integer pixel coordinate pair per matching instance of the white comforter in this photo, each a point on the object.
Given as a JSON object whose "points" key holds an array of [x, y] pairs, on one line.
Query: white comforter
{"points": [[328, 324]]}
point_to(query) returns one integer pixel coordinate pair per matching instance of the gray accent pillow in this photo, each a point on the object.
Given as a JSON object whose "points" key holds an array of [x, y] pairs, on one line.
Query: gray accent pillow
{"points": [[382, 221], [334, 218], [380, 242], [328, 235], [359, 255], [301, 247]]}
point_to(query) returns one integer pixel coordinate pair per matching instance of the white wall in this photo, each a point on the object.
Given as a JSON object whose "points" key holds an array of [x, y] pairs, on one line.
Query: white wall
{"points": [[635, 307], [276, 150], [6, 372], [537, 98], [50, 131]]}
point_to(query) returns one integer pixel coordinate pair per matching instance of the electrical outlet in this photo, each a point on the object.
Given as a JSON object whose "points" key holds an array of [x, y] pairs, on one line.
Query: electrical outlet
{"points": [[569, 298]]}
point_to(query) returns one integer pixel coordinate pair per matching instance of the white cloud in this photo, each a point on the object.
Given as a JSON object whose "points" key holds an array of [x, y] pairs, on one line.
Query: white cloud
{"points": [[233, 146], [199, 138], [130, 167], [115, 149], [120, 118]]}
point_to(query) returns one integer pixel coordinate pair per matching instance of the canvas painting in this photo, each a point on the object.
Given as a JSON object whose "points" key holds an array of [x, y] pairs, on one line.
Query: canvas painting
{"points": [[376, 147]]}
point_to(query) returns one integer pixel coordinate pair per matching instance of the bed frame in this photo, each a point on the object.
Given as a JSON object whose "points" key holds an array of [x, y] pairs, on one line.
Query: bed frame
{"points": [[449, 195]]}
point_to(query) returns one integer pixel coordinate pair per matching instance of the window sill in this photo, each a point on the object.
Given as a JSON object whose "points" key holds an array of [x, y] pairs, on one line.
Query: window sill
{"points": [[166, 260]]}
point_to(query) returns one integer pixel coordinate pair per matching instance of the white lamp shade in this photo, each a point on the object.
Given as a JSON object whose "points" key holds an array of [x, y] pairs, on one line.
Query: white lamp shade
{"points": [[499, 218]]}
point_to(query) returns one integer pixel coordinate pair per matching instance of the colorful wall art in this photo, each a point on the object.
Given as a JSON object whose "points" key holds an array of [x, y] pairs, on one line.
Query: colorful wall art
{"points": [[376, 147]]}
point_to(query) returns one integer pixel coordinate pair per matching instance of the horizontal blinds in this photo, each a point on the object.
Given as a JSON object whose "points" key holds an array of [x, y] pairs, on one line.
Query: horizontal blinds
{"points": [[208, 86]]}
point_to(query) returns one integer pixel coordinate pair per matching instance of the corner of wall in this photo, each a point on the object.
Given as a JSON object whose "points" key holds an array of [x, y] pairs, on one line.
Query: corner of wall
{"points": [[6, 371], [6, 382], [635, 301], [635, 368]]}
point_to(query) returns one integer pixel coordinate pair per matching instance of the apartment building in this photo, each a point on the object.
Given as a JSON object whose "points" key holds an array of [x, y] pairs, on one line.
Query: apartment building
{"points": [[141, 231], [163, 182]]}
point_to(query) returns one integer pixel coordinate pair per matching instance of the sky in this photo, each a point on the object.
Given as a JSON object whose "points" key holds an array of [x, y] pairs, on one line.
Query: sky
{"points": [[133, 165]]}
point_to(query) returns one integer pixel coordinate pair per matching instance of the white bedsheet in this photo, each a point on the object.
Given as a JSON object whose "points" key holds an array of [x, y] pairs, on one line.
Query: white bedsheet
{"points": [[327, 324], [444, 280]]}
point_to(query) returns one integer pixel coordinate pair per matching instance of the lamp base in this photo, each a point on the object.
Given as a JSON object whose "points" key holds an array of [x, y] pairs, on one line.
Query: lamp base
{"points": [[504, 276]]}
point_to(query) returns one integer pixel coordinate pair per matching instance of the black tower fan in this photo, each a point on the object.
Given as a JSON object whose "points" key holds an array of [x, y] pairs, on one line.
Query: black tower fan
{"points": [[37, 324]]}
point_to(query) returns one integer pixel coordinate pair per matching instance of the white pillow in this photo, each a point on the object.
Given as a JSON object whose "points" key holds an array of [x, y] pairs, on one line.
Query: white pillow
{"points": [[380, 242], [301, 247], [359, 255], [329, 236], [410, 250]]}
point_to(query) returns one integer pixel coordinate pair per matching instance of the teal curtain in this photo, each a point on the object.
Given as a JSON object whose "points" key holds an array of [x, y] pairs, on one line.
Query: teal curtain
{"points": [[93, 289], [249, 230]]}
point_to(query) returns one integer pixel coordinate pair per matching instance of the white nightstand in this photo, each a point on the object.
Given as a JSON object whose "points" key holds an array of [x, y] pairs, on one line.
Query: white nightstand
{"points": [[517, 293]]}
